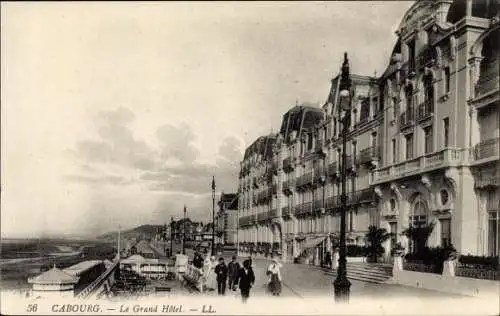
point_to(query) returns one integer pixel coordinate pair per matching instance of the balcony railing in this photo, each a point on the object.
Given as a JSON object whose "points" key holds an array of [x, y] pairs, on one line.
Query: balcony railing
{"points": [[319, 172], [332, 202], [304, 180], [319, 145], [286, 211], [288, 164], [318, 204], [444, 158], [273, 213], [488, 80], [364, 196], [406, 118], [332, 169], [425, 110], [487, 180], [349, 162], [303, 208], [262, 216], [426, 58], [369, 155], [487, 149]]}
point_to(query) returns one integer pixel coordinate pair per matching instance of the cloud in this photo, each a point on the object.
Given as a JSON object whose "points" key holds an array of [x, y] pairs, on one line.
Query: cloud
{"points": [[117, 144], [176, 143]]}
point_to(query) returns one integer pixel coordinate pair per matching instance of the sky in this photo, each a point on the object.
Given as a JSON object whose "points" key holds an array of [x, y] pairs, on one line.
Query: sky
{"points": [[119, 114]]}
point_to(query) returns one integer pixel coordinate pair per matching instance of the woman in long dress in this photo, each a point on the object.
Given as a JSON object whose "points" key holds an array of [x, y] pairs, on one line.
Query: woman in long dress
{"points": [[274, 273], [207, 270], [209, 273]]}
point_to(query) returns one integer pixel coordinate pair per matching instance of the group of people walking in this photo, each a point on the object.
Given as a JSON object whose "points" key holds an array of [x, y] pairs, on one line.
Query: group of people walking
{"points": [[234, 276]]}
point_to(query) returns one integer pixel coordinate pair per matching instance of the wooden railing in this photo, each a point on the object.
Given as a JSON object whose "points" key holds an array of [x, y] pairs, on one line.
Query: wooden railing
{"points": [[89, 290]]}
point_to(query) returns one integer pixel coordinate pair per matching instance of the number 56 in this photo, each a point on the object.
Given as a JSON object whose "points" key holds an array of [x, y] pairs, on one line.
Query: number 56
{"points": [[32, 308]]}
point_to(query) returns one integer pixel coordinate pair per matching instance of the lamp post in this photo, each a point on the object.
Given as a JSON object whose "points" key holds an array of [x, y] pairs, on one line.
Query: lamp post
{"points": [[213, 215], [184, 233], [341, 284], [171, 236]]}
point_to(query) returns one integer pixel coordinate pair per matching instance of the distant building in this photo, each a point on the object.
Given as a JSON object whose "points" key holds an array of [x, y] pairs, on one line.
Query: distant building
{"points": [[227, 219]]}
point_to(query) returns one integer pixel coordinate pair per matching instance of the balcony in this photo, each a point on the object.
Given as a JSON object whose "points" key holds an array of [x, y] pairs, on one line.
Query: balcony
{"points": [[486, 180], [319, 175], [318, 205], [369, 156], [288, 164], [487, 149], [286, 211], [244, 221], [406, 119], [304, 180], [262, 216], [425, 110], [426, 58], [333, 170], [364, 196], [319, 146], [332, 202], [273, 213], [449, 157], [302, 209], [350, 163]]}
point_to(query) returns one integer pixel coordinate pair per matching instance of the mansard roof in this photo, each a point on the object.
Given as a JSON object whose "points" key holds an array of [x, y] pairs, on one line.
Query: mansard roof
{"points": [[300, 118], [262, 146]]}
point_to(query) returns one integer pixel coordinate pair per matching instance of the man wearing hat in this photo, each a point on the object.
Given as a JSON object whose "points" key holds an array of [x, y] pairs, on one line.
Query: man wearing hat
{"points": [[232, 273]]}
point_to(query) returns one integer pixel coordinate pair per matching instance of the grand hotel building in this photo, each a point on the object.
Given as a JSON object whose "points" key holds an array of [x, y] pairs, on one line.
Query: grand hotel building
{"points": [[423, 146]]}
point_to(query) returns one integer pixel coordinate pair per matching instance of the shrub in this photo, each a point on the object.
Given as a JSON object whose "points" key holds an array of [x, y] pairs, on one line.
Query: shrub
{"points": [[356, 251], [485, 262], [376, 237]]}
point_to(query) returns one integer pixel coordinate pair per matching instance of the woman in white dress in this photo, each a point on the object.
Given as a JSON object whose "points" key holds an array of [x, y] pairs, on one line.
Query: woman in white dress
{"points": [[274, 274], [209, 274]]}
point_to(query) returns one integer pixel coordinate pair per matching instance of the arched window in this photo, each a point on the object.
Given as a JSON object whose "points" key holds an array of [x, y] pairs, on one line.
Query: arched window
{"points": [[418, 216]]}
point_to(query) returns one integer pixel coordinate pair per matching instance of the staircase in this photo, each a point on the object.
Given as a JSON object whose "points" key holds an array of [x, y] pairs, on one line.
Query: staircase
{"points": [[367, 272]]}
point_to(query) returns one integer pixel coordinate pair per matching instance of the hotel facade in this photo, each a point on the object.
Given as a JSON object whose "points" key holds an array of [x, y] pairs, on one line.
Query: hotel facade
{"points": [[423, 147]]}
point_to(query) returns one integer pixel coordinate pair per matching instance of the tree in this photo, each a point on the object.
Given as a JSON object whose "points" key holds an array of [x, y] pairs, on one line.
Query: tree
{"points": [[376, 237], [419, 236]]}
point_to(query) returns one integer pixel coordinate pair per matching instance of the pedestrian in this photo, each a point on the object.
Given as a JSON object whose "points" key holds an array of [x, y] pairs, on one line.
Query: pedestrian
{"points": [[207, 273], [233, 268], [250, 259], [328, 259], [246, 279], [274, 273], [221, 272]]}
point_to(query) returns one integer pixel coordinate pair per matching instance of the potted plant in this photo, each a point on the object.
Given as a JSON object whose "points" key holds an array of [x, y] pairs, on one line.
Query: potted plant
{"points": [[450, 253], [376, 237], [398, 250]]}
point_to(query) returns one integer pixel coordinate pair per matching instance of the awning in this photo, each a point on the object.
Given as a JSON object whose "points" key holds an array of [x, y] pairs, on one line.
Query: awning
{"points": [[313, 242]]}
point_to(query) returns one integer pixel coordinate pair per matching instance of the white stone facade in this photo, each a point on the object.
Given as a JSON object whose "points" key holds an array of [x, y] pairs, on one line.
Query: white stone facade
{"points": [[423, 146]]}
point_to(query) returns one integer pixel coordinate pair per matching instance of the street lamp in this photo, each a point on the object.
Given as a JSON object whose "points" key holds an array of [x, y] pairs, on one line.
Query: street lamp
{"points": [[171, 236], [341, 284], [213, 215], [184, 233]]}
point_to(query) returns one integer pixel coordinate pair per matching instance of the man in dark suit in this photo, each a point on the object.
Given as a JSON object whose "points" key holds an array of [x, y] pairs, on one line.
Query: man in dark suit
{"points": [[221, 271], [233, 268], [246, 279]]}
